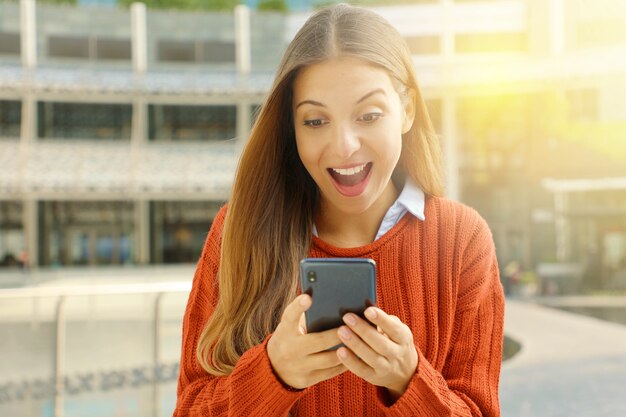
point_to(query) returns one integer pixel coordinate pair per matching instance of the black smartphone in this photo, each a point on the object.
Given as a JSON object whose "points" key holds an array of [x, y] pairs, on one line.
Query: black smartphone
{"points": [[337, 286]]}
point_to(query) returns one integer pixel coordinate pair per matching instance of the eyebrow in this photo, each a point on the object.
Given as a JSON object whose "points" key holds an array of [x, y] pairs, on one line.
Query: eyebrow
{"points": [[371, 93], [365, 97]]}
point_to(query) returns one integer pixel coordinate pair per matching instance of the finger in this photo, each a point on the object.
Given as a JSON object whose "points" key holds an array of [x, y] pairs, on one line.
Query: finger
{"points": [[321, 360], [294, 310], [354, 364], [320, 341], [380, 343], [392, 326], [324, 374], [361, 349]]}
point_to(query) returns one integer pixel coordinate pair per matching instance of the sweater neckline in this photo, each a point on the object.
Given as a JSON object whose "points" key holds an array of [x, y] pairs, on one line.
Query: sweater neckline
{"points": [[365, 249]]}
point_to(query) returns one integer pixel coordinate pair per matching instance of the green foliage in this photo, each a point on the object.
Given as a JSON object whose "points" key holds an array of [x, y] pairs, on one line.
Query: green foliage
{"points": [[71, 2], [273, 5], [325, 3], [186, 4]]}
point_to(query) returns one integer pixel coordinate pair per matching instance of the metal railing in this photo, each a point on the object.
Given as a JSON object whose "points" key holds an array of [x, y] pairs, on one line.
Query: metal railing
{"points": [[63, 293]]}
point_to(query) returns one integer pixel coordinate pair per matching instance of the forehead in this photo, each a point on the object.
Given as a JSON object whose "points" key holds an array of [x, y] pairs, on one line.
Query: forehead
{"points": [[339, 76]]}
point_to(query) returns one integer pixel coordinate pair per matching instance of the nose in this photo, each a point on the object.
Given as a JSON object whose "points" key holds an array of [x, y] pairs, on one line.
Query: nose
{"points": [[346, 141]]}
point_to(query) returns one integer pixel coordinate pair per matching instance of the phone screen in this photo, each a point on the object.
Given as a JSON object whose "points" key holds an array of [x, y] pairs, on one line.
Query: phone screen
{"points": [[337, 286]]}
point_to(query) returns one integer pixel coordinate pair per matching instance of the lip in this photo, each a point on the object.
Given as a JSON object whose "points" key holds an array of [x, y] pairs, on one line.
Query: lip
{"points": [[353, 190]]}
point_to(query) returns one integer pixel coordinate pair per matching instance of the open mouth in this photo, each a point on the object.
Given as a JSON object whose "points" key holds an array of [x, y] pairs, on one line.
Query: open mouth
{"points": [[351, 181]]}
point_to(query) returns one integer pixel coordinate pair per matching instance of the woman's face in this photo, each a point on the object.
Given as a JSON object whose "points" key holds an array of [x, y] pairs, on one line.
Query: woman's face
{"points": [[349, 122]]}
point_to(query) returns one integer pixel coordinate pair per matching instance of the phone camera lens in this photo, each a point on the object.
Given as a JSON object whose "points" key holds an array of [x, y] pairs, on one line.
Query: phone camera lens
{"points": [[312, 277]]}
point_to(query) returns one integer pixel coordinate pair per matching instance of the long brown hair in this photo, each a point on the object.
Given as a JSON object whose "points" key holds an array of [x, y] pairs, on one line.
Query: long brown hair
{"points": [[269, 222]]}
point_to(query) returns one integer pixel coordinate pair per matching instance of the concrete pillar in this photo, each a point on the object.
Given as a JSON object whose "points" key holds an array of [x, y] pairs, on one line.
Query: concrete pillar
{"points": [[142, 231], [28, 33], [244, 115], [242, 40], [448, 108], [450, 146], [28, 124], [139, 125], [562, 226], [447, 29], [139, 37], [556, 27], [31, 234]]}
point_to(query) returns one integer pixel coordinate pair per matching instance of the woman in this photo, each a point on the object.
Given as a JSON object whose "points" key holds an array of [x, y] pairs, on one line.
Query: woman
{"points": [[343, 162]]}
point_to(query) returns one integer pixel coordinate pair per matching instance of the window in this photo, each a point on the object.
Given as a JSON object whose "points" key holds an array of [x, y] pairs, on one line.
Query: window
{"points": [[113, 49], [10, 118], [89, 48], [195, 51], [175, 122], [491, 42], [12, 243], [176, 51], [582, 104], [179, 229], [86, 233], [84, 120], [68, 47], [9, 43], [601, 32], [216, 51]]}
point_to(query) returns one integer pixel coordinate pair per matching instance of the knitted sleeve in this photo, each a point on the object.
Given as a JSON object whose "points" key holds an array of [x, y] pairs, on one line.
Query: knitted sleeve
{"points": [[252, 388], [468, 383]]}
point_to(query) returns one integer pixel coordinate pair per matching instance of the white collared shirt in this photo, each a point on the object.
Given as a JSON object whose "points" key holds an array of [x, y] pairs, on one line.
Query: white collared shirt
{"points": [[411, 199]]}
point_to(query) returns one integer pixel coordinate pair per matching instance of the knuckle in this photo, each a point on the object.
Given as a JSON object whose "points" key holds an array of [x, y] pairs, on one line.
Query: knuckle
{"points": [[381, 366]]}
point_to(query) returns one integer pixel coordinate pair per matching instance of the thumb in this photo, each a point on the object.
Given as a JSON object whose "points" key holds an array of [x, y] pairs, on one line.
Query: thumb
{"points": [[302, 324], [293, 314]]}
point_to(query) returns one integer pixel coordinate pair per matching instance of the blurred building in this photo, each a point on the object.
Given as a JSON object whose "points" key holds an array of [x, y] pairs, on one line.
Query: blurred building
{"points": [[119, 135]]}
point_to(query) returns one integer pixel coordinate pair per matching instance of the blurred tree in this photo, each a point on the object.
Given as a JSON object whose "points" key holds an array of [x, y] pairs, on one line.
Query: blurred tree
{"points": [[273, 5], [72, 2], [606, 137], [539, 134], [186, 4]]}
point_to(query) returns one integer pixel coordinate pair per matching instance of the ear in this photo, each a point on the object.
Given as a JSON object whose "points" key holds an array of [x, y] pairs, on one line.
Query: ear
{"points": [[408, 104]]}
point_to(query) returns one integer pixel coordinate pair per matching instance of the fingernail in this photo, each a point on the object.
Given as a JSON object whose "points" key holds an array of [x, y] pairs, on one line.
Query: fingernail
{"points": [[349, 318], [344, 333], [342, 353], [370, 313]]}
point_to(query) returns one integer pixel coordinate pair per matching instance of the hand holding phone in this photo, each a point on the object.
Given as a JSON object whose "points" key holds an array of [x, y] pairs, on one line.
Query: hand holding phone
{"points": [[299, 359], [337, 286]]}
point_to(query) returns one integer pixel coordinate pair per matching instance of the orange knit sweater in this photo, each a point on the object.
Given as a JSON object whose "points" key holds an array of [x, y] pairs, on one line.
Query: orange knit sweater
{"points": [[440, 277]]}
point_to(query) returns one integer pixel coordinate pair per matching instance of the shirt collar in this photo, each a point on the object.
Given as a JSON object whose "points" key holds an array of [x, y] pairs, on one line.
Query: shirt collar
{"points": [[413, 199]]}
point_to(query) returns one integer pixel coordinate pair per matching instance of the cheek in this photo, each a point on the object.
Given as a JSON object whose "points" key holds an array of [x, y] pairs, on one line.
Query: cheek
{"points": [[307, 152], [388, 140]]}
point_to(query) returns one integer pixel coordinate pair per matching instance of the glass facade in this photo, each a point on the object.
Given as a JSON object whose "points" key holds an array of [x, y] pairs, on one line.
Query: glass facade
{"points": [[83, 120], [86, 233], [491, 42], [191, 123], [496, 134], [179, 229], [12, 244], [597, 236], [10, 118]]}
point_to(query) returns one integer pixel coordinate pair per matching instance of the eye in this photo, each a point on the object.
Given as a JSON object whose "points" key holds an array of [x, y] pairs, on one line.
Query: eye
{"points": [[315, 122], [370, 117]]}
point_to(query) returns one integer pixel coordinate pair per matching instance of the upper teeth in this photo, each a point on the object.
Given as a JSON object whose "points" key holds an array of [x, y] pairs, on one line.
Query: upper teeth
{"points": [[350, 171]]}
